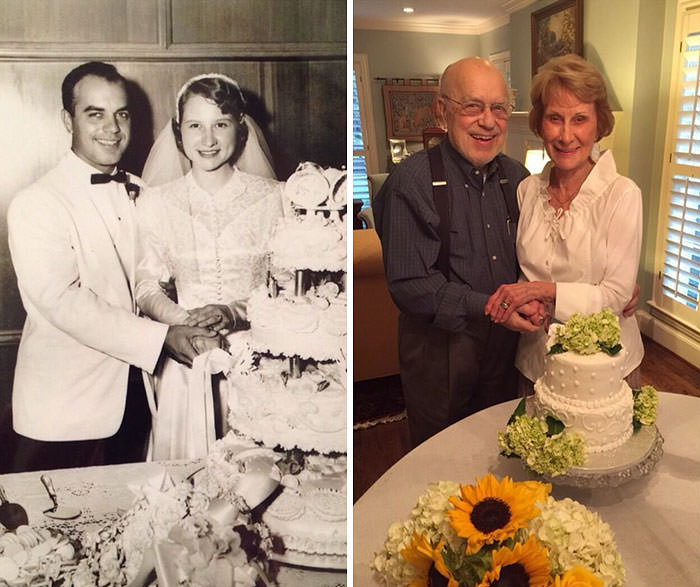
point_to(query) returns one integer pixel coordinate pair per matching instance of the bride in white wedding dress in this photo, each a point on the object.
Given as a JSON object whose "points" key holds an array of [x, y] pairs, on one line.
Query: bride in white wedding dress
{"points": [[205, 232]]}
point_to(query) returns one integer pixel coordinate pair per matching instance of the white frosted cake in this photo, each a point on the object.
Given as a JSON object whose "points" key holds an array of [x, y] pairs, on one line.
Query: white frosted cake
{"points": [[309, 516], [584, 387], [312, 325], [588, 394], [308, 412], [293, 398], [314, 242]]}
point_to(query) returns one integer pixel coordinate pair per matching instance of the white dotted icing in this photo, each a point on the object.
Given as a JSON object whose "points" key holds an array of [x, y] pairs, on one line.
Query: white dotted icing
{"points": [[602, 413]]}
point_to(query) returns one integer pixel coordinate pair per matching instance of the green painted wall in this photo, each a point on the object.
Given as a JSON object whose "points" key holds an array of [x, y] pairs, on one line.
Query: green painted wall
{"points": [[408, 55], [494, 41], [648, 121]]}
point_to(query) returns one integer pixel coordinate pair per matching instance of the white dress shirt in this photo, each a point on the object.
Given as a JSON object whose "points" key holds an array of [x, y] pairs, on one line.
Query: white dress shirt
{"points": [[590, 251]]}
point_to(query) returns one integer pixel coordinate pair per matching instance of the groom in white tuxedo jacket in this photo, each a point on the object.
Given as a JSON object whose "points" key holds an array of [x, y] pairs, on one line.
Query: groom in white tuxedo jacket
{"points": [[72, 238]]}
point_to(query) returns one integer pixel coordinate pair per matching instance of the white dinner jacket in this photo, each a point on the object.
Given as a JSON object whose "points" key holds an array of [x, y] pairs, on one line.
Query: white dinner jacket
{"points": [[81, 332]]}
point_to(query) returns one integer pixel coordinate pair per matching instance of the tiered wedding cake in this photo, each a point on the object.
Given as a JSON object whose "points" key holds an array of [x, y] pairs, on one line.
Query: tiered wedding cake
{"points": [[583, 416], [587, 392], [293, 399]]}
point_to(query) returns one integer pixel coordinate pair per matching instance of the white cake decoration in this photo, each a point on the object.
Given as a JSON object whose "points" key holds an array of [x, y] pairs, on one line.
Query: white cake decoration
{"points": [[293, 398], [583, 381]]}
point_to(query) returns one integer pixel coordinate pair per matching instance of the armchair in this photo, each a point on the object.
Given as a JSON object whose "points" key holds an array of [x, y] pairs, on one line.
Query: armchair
{"points": [[375, 317]]}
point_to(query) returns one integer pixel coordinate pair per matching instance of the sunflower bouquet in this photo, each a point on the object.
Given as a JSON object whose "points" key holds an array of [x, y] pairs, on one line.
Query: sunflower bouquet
{"points": [[499, 533]]}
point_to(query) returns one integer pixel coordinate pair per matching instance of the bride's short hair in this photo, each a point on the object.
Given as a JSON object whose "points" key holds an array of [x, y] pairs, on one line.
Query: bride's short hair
{"points": [[226, 95]]}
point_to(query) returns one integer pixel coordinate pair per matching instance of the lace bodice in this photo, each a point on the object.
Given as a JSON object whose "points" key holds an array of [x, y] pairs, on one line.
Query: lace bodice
{"points": [[213, 246]]}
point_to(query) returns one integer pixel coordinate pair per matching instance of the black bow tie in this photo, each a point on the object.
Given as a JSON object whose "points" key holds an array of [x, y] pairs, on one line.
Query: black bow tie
{"points": [[120, 177]]}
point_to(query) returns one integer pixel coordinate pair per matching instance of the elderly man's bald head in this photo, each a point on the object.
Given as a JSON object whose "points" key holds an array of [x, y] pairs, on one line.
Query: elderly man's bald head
{"points": [[473, 80], [468, 66]]}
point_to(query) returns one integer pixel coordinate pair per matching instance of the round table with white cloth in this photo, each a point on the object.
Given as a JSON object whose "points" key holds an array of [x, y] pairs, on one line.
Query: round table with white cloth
{"points": [[656, 519]]}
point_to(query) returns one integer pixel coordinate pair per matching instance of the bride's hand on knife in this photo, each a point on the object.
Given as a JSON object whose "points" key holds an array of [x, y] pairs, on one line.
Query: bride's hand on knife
{"points": [[534, 311], [521, 323], [217, 317]]}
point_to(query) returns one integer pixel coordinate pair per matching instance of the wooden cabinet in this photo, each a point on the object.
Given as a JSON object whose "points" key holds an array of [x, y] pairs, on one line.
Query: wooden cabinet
{"points": [[65, 26], [271, 23], [172, 29]]}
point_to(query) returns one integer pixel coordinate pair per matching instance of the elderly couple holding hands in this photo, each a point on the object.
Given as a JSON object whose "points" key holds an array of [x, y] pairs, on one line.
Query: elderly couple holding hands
{"points": [[480, 256]]}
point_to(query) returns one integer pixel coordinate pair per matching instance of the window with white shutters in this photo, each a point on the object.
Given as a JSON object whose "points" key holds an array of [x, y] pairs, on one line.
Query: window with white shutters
{"points": [[360, 186], [364, 159], [677, 290]]}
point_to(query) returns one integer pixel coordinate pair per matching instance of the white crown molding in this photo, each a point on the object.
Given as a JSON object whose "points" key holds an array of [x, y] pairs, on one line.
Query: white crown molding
{"points": [[465, 26], [425, 26], [511, 6]]}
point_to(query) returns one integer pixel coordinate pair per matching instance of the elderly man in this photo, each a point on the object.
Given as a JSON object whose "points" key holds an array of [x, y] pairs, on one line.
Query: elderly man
{"points": [[447, 219], [78, 395]]}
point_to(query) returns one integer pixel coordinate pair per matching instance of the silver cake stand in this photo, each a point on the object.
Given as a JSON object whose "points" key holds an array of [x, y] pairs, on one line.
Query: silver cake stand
{"points": [[632, 460]]}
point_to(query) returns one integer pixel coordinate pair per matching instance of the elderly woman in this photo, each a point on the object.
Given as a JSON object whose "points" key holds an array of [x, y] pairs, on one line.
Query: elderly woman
{"points": [[580, 228]]}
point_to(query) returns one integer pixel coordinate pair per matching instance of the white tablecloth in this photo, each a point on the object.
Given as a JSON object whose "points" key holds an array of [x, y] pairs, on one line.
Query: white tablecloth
{"points": [[103, 493], [656, 519]]}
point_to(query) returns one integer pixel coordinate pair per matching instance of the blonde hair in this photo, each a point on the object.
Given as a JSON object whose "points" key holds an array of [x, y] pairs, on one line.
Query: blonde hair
{"points": [[575, 74]]}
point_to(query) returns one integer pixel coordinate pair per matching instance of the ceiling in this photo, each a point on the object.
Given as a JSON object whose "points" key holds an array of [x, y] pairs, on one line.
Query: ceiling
{"points": [[465, 17]]}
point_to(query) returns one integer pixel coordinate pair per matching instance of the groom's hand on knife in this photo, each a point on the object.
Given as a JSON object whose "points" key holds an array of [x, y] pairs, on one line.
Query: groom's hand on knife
{"points": [[183, 342]]}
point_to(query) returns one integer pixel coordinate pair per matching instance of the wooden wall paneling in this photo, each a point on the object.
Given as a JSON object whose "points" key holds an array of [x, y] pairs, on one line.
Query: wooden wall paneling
{"points": [[310, 113], [8, 358], [79, 21], [32, 141], [325, 104], [172, 29], [259, 21]]}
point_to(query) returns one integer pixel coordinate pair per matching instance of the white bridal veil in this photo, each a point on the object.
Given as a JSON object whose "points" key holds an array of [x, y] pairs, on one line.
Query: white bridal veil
{"points": [[166, 163]]}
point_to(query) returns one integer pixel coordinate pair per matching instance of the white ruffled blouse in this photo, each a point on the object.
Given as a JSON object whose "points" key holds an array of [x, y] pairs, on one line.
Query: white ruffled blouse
{"points": [[591, 252]]}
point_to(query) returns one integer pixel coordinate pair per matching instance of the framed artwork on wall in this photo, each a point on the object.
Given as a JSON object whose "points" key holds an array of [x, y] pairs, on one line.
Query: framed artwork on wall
{"points": [[557, 29], [408, 109]]}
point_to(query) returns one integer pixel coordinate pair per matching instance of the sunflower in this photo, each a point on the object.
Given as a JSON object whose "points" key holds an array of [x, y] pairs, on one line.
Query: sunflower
{"points": [[493, 511], [526, 565], [428, 562], [577, 577]]}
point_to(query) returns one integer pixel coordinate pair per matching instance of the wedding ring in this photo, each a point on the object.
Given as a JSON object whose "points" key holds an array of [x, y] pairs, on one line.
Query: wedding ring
{"points": [[505, 305], [541, 319]]}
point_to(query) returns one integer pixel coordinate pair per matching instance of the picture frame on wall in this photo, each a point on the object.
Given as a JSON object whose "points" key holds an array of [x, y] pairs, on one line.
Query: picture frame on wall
{"points": [[408, 109], [557, 29]]}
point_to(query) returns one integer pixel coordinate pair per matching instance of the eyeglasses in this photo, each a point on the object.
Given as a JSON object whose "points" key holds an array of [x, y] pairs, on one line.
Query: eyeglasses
{"points": [[500, 110]]}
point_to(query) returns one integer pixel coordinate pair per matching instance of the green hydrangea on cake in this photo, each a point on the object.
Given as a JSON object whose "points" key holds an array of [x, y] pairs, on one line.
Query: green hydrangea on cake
{"points": [[582, 405]]}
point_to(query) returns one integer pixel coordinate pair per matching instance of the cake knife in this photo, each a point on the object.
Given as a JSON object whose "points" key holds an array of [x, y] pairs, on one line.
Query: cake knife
{"points": [[57, 512]]}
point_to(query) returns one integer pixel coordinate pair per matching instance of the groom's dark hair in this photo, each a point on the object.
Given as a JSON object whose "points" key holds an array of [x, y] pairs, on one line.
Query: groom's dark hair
{"points": [[105, 71]]}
